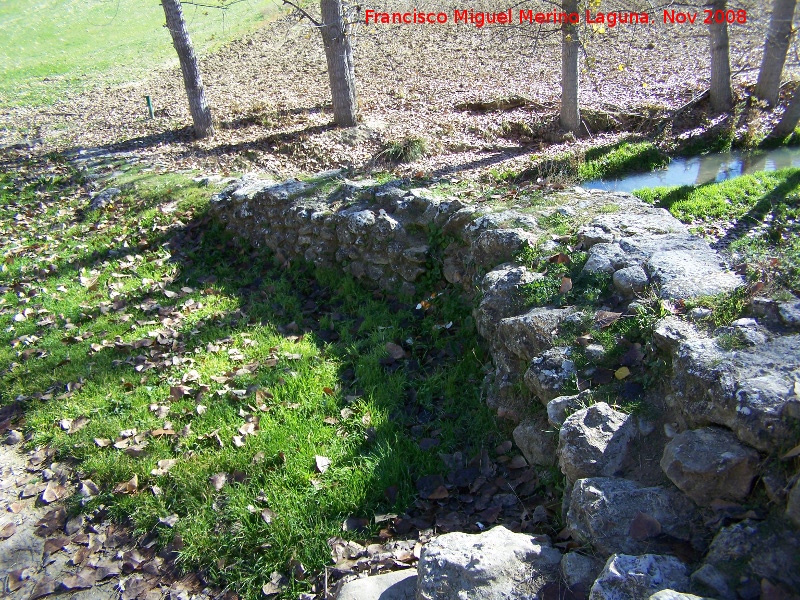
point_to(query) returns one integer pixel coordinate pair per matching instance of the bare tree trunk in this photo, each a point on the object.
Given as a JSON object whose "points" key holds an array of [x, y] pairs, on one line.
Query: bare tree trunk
{"points": [[570, 47], [721, 94], [775, 49], [341, 70], [789, 119], [192, 81]]}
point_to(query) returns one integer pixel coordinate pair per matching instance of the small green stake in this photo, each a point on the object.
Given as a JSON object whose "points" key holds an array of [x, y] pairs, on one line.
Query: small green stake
{"points": [[149, 107]]}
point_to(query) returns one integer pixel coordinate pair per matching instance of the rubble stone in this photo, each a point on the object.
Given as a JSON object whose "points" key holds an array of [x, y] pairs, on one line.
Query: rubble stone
{"points": [[709, 464], [593, 442]]}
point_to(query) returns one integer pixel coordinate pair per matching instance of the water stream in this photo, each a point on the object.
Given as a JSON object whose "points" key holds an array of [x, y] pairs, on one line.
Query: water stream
{"points": [[702, 169]]}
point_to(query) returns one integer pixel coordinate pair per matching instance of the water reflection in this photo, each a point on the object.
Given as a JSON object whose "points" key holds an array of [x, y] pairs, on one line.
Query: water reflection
{"points": [[702, 169]]}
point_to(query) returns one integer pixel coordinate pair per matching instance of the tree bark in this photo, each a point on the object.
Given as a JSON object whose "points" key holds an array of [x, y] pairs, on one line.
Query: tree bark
{"points": [[720, 93], [341, 70], [192, 81], [775, 49], [790, 118], [570, 48]]}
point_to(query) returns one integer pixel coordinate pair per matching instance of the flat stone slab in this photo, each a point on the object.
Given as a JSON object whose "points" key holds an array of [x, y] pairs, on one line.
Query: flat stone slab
{"points": [[710, 463], [494, 565], [680, 265], [627, 577]]}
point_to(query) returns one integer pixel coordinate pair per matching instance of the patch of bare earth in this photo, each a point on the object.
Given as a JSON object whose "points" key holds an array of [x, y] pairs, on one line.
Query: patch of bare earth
{"points": [[46, 550]]}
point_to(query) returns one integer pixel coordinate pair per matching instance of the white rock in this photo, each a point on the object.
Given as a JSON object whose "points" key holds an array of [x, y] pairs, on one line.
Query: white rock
{"points": [[397, 585], [593, 442], [495, 565]]}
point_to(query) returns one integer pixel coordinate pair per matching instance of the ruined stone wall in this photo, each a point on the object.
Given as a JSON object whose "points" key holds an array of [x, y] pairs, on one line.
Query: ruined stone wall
{"points": [[673, 480]]}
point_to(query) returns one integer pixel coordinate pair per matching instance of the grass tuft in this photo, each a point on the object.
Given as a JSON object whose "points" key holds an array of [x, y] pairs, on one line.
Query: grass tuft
{"points": [[406, 150]]}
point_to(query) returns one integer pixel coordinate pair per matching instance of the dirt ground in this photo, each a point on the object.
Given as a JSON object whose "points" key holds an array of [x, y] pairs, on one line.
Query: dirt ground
{"points": [[270, 97], [46, 550]]}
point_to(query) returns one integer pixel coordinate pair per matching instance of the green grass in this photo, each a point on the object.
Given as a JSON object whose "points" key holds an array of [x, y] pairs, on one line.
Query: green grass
{"points": [[83, 297], [600, 162], [51, 48], [619, 159], [749, 197], [406, 150]]}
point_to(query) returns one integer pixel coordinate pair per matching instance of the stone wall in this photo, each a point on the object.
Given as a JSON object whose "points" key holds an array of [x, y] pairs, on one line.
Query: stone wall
{"points": [[697, 476]]}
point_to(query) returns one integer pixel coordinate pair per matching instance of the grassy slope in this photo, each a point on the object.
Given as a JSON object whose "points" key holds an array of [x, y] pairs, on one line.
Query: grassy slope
{"points": [[220, 295], [51, 47]]}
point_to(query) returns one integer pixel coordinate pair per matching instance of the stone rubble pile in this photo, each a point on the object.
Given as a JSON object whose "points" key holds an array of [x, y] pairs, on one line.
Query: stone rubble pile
{"points": [[691, 499]]}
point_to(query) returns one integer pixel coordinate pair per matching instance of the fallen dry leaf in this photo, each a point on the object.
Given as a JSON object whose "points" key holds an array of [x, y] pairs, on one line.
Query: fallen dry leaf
{"points": [[169, 521], [275, 584], [75, 582], [518, 462], [78, 424], [88, 488], [55, 544], [161, 410], [43, 587], [53, 492], [559, 259], [322, 462], [248, 429], [395, 351], [622, 373], [161, 432], [566, 285], [164, 465], [504, 447], [267, 515], [7, 530], [355, 524], [32, 489], [136, 450], [218, 480], [440, 493], [791, 453], [604, 318], [16, 578], [128, 487]]}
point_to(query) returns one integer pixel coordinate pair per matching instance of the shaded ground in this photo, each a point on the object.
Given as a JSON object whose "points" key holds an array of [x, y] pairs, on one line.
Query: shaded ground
{"points": [[270, 96]]}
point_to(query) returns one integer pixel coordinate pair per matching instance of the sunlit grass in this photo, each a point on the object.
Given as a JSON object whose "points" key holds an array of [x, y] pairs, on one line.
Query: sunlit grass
{"points": [[53, 47]]}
